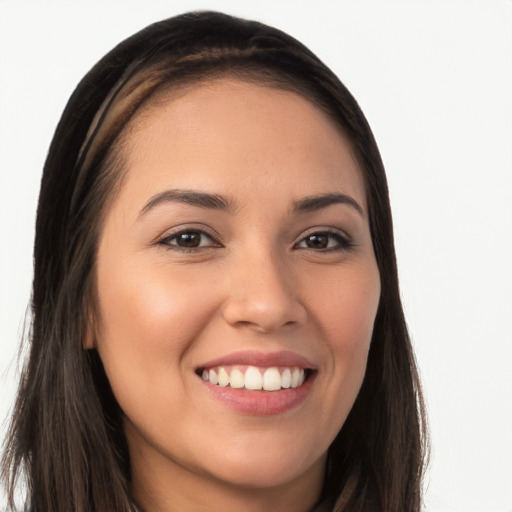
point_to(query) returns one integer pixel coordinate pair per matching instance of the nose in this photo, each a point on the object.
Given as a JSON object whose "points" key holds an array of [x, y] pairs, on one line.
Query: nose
{"points": [[263, 295]]}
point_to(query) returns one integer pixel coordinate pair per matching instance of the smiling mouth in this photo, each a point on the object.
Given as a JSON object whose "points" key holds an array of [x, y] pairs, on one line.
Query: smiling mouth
{"points": [[254, 378]]}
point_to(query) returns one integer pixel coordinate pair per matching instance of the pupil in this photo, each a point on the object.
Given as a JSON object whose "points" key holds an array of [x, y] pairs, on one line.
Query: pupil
{"points": [[189, 240], [319, 241]]}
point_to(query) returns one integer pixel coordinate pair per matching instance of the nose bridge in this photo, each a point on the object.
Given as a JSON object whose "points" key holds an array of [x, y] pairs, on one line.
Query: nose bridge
{"points": [[263, 291]]}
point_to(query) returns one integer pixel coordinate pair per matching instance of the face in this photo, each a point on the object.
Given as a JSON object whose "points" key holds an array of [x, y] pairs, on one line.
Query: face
{"points": [[236, 256]]}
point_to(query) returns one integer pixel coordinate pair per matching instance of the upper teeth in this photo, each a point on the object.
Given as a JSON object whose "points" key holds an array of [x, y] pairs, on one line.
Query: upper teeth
{"points": [[254, 378]]}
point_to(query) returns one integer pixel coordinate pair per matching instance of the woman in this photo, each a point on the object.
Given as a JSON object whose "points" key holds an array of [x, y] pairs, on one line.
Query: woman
{"points": [[217, 322]]}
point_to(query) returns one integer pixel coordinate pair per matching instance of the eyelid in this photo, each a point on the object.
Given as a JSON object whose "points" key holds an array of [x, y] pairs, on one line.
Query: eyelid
{"points": [[345, 243], [187, 228]]}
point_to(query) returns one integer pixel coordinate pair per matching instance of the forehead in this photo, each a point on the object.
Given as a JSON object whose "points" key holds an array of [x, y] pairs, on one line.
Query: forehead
{"points": [[245, 135]]}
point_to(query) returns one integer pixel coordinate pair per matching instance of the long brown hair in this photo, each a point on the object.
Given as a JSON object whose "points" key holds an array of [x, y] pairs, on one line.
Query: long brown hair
{"points": [[66, 438]]}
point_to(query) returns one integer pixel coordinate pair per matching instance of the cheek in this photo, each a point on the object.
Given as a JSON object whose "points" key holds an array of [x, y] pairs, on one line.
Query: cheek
{"points": [[148, 320], [347, 307], [148, 304], [346, 313]]}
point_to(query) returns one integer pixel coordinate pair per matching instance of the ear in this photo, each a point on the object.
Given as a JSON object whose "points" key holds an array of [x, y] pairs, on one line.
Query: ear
{"points": [[90, 340]]}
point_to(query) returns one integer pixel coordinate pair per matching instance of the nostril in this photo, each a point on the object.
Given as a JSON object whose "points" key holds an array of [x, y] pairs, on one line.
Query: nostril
{"points": [[263, 303]]}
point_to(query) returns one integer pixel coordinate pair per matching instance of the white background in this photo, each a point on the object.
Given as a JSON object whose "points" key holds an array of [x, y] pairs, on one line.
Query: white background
{"points": [[434, 78]]}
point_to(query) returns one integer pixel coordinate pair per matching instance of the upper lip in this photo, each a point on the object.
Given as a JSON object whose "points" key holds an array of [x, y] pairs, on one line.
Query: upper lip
{"points": [[255, 358]]}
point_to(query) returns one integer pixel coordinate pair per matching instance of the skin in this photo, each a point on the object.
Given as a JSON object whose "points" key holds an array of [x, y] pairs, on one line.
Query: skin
{"points": [[254, 285]]}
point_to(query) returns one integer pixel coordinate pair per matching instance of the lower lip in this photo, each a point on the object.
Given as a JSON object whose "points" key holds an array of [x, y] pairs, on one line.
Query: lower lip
{"points": [[261, 403]]}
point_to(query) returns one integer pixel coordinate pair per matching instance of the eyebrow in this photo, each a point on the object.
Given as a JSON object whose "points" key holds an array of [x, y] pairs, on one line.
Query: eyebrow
{"points": [[320, 201], [191, 197], [218, 202]]}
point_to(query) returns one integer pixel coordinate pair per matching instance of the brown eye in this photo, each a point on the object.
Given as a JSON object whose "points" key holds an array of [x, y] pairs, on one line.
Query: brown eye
{"points": [[317, 241], [188, 240], [324, 241]]}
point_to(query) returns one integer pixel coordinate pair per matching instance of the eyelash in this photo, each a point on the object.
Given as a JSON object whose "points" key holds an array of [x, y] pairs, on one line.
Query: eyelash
{"points": [[342, 243], [166, 241]]}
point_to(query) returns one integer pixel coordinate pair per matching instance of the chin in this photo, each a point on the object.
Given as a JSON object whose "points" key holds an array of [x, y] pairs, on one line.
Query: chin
{"points": [[266, 468]]}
